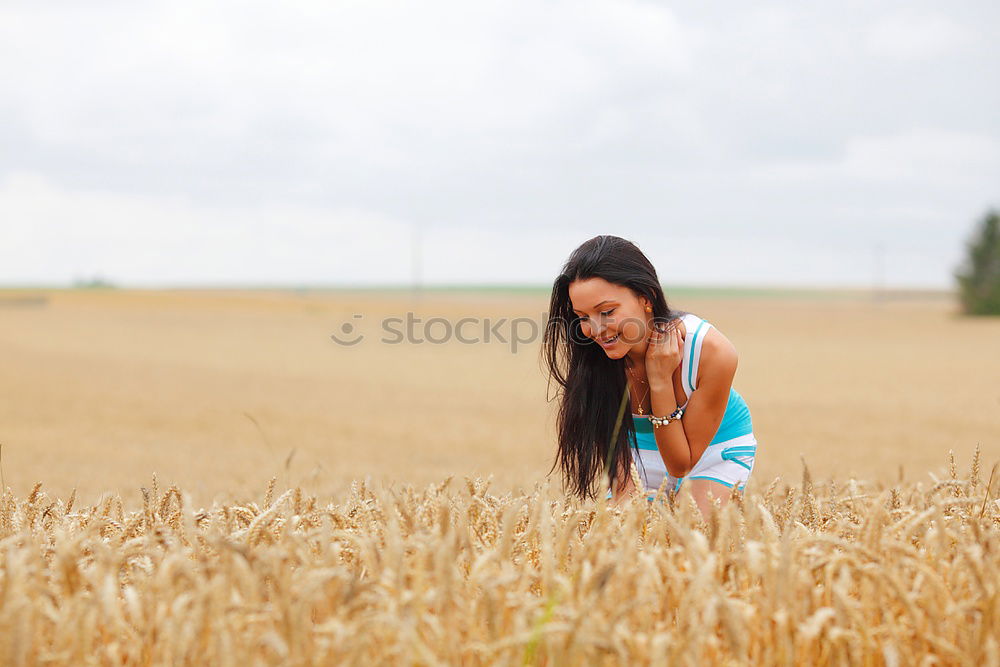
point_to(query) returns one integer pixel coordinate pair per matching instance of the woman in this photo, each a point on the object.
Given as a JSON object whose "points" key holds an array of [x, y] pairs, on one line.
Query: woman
{"points": [[611, 331]]}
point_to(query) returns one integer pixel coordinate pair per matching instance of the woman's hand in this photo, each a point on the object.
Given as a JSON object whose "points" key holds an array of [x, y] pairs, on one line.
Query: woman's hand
{"points": [[663, 353]]}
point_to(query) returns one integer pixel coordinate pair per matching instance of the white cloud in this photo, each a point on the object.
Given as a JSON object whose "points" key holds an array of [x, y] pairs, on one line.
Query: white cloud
{"points": [[940, 158], [51, 234], [911, 35], [248, 138], [55, 235], [363, 80], [914, 159]]}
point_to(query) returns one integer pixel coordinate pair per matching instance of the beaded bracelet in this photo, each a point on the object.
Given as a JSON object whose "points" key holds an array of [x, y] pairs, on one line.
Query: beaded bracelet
{"points": [[663, 421]]}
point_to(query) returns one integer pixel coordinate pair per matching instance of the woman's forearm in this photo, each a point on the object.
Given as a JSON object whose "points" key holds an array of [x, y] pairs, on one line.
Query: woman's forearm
{"points": [[670, 439]]}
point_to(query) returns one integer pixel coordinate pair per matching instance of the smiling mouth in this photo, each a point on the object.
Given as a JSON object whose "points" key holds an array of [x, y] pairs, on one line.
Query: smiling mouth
{"points": [[611, 340]]}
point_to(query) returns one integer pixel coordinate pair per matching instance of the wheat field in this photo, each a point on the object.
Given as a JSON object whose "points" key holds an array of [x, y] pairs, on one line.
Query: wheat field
{"points": [[453, 574], [204, 477]]}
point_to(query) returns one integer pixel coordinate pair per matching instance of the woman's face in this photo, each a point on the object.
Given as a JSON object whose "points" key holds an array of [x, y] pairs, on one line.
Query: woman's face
{"points": [[610, 314]]}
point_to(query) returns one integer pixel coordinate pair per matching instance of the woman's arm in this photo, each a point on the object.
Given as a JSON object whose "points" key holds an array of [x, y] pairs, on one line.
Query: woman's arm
{"points": [[682, 443]]}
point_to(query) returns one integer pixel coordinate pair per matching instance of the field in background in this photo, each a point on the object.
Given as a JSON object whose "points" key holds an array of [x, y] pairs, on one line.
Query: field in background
{"points": [[218, 391]]}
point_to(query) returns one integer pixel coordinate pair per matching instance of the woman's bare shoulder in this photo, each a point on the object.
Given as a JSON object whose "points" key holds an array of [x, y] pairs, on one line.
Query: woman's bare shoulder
{"points": [[718, 354]]}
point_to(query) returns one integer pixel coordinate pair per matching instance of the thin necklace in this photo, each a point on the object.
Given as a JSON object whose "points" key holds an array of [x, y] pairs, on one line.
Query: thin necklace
{"points": [[640, 382]]}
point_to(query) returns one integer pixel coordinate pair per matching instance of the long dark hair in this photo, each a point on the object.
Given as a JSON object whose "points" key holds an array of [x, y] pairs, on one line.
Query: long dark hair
{"points": [[592, 383]]}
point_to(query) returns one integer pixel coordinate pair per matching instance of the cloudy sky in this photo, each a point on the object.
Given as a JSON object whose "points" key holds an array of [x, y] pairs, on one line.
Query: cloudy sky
{"points": [[191, 142]]}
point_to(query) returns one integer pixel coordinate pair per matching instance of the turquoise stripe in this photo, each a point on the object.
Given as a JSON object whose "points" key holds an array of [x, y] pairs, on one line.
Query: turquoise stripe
{"points": [[694, 339], [732, 454], [736, 421], [644, 437], [646, 441], [735, 460], [642, 425]]}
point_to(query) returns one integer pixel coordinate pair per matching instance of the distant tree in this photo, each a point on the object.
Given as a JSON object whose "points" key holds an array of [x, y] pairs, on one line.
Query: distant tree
{"points": [[94, 282], [979, 276]]}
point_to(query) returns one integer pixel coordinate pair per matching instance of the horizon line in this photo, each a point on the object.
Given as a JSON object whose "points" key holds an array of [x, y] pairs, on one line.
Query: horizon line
{"points": [[464, 286]]}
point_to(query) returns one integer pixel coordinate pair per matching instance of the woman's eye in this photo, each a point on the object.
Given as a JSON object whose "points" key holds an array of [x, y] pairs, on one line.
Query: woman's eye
{"points": [[606, 313]]}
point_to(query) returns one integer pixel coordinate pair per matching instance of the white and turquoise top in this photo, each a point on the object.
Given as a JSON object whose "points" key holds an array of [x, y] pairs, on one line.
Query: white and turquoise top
{"points": [[736, 422]]}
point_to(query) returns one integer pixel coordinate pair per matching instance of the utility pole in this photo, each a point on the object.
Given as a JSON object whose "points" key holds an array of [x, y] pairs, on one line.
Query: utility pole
{"points": [[415, 259], [878, 274]]}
